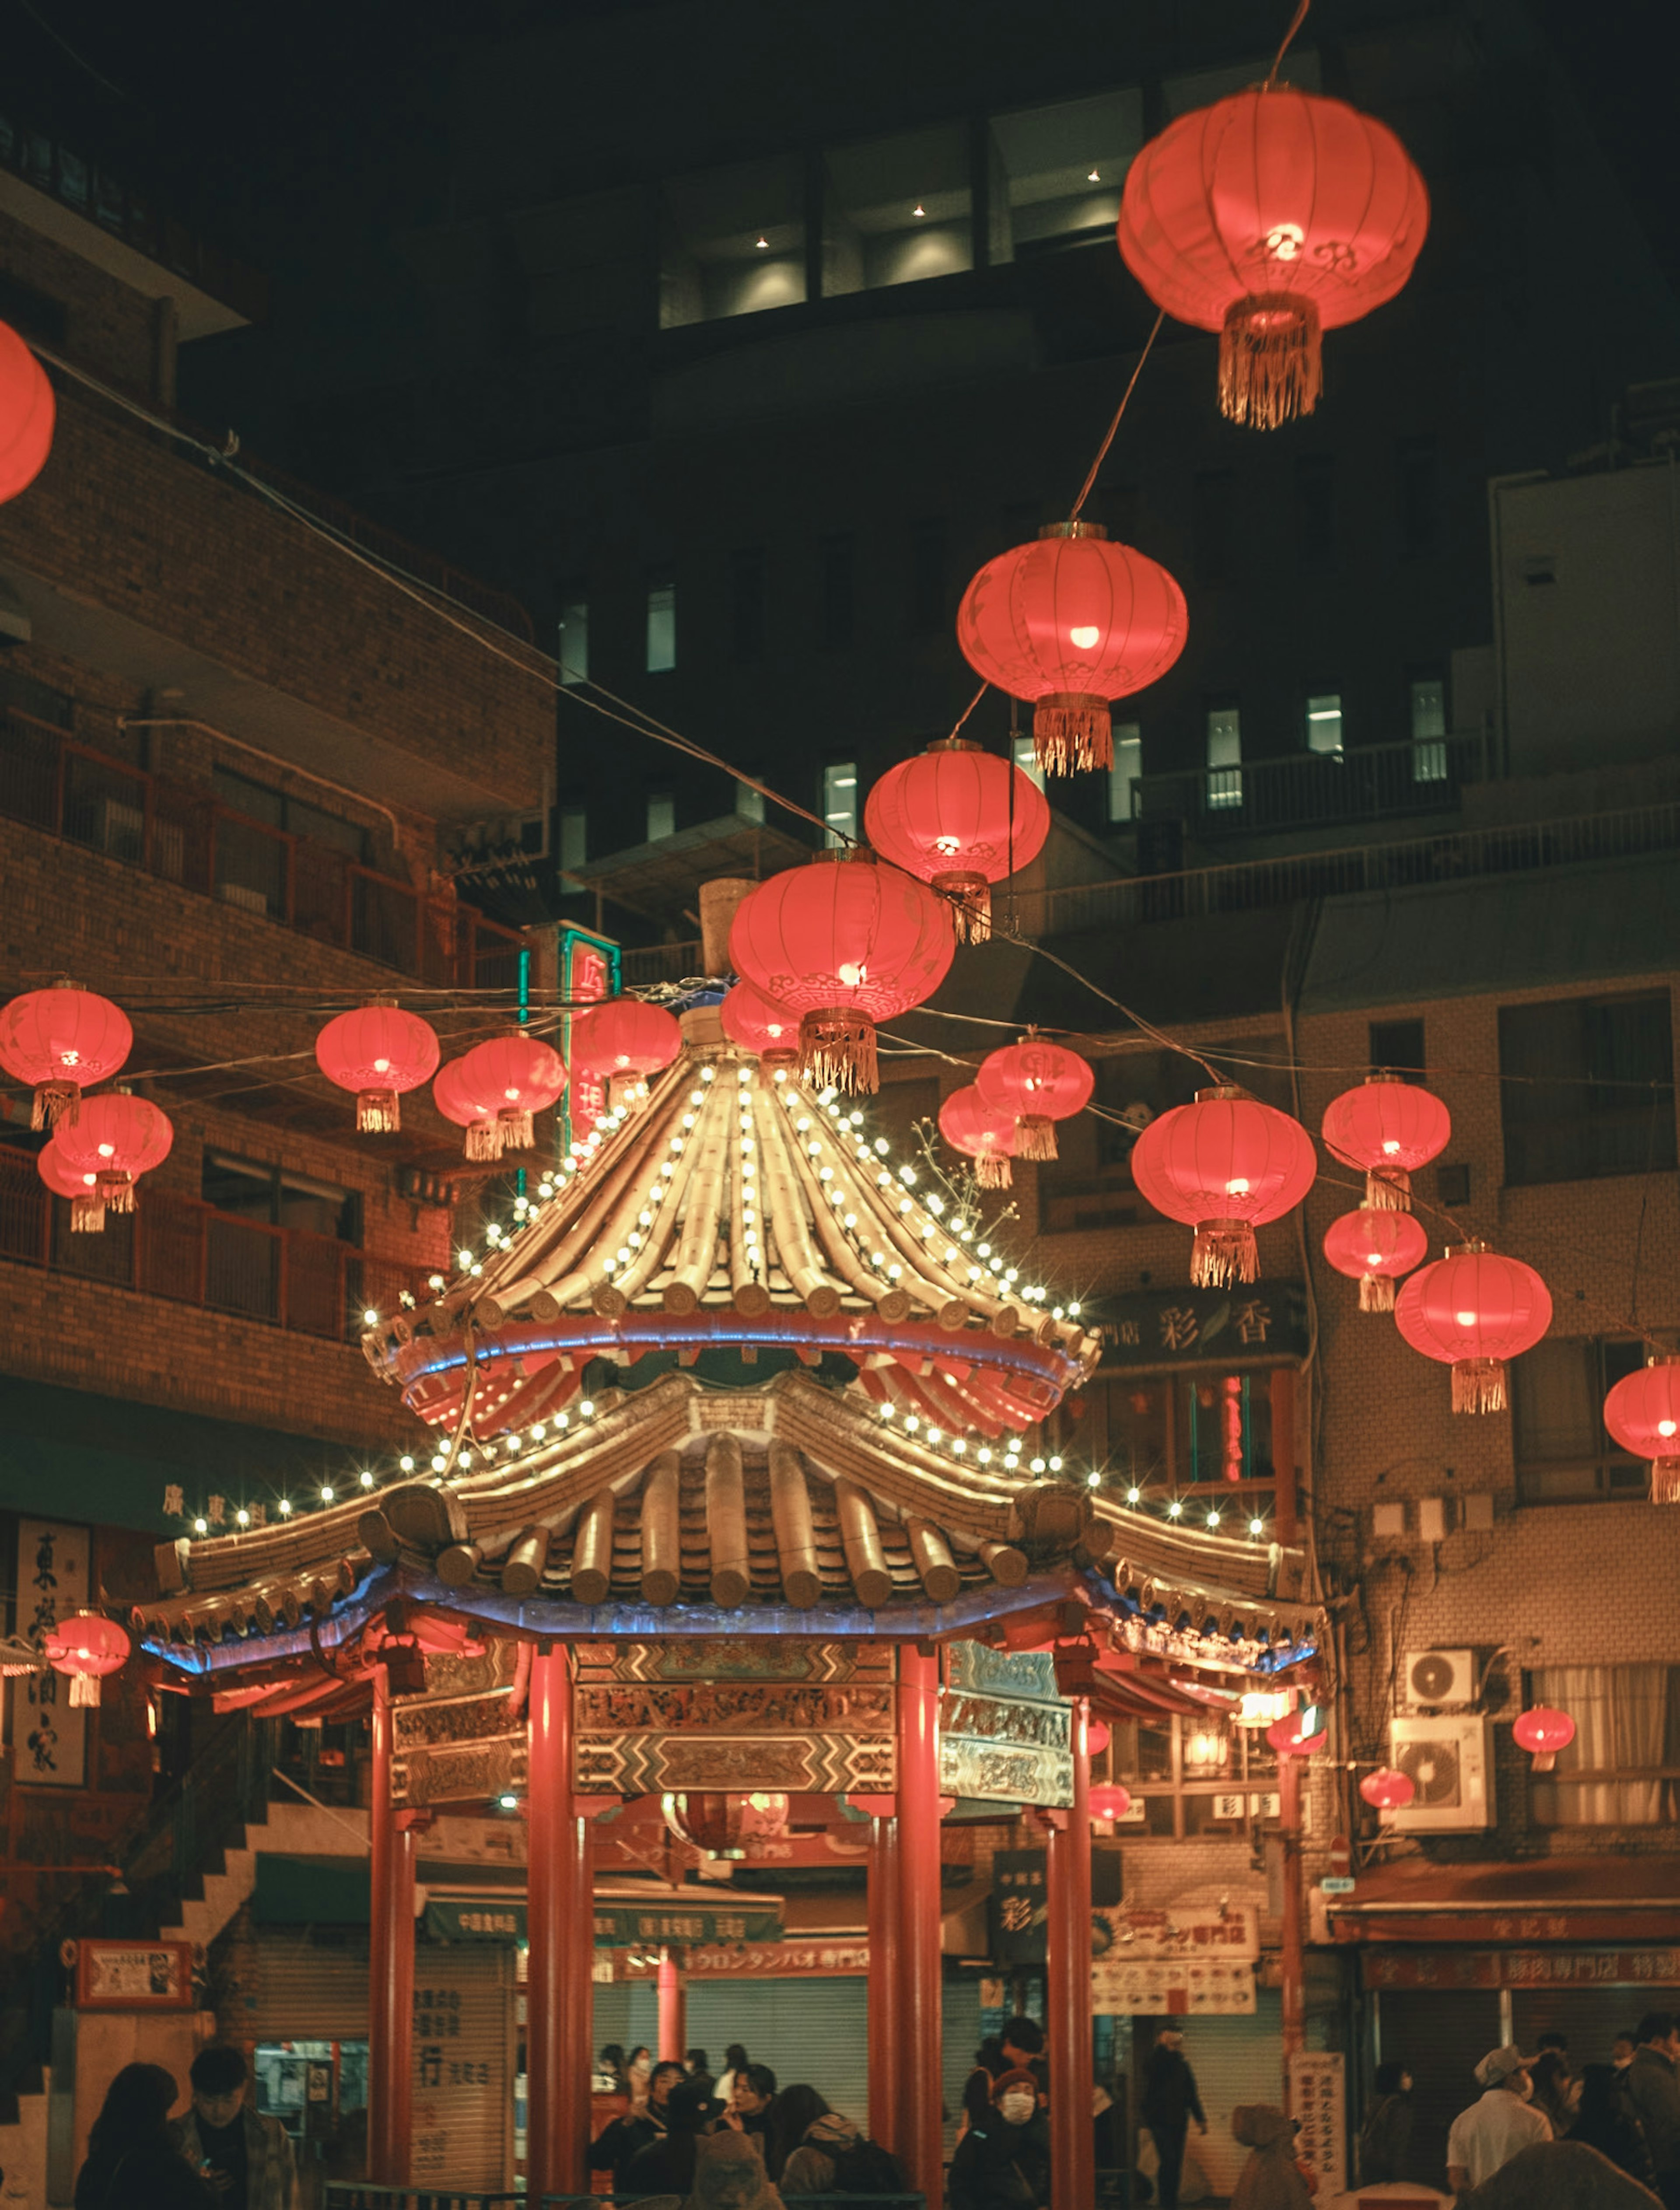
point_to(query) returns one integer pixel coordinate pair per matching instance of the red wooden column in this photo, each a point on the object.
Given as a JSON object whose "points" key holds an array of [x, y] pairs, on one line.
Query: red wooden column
{"points": [[920, 2142], [390, 2056], [884, 2040], [673, 2009], [1067, 1990], [1294, 1959], [562, 1943]]}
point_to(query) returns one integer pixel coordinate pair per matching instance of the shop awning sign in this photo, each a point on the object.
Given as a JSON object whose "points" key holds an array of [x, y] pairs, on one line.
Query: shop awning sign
{"points": [[617, 1926]]}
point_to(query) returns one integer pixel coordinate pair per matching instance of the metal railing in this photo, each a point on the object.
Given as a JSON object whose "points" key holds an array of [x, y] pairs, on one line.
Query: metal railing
{"points": [[660, 962], [1302, 790], [183, 833], [363, 2195]]}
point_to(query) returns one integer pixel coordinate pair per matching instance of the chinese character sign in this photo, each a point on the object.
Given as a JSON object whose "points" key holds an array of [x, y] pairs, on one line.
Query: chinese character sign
{"points": [[589, 972], [1173, 1963], [49, 1734], [1317, 2096], [460, 2066]]}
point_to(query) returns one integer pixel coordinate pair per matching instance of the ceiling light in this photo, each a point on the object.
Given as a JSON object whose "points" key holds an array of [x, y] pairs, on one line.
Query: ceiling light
{"points": [[762, 242], [918, 208], [1093, 176]]}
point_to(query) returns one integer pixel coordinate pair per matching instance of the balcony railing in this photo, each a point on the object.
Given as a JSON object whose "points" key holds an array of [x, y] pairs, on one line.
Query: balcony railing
{"points": [[182, 833], [1371, 782], [173, 1247], [645, 963]]}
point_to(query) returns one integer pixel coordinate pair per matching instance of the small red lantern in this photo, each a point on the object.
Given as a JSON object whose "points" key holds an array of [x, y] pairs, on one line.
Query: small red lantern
{"points": [[1039, 1081], [87, 1645], [969, 1125], [759, 1024], [27, 413], [62, 1041], [1474, 1311], [1375, 1246], [1069, 622], [115, 1137], [1097, 1737], [1225, 1165], [1542, 1732], [1387, 1790], [1642, 1411], [452, 1098], [625, 1041], [961, 819], [378, 1051], [1390, 1129], [1299, 1733], [514, 1077], [79, 1184], [1271, 217], [1109, 1800], [844, 942]]}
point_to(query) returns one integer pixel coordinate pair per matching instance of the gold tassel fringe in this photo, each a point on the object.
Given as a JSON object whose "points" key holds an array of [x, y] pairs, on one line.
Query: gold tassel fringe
{"points": [[837, 1049], [56, 1101], [992, 1170], [84, 1691], [377, 1112], [114, 1191], [1223, 1253], [1376, 1293], [87, 1214], [1035, 1138], [1478, 1385], [484, 1140], [518, 1134], [1271, 360], [970, 896], [1070, 730], [1665, 1481], [1388, 1189]]}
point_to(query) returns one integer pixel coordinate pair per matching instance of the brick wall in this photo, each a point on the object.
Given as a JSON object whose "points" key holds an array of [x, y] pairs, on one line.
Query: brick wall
{"points": [[108, 326]]}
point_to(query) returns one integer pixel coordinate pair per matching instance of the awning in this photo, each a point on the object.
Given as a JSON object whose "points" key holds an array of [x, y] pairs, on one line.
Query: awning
{"points": [[1574, 1899]]}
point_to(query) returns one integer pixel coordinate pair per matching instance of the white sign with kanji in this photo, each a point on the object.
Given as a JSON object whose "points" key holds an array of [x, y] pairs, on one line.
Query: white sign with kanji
{"points": [[1318, 2097]]}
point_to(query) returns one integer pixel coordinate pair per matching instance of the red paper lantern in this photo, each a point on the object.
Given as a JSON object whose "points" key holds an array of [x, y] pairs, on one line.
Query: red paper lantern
{"points": [[115, 1137], [625, 1041], [87, 1645], [759, 1024], [962, 819], [1390, 1129], [1387, 1791], [844, 942], [1642, 1411], [1069, 622], [1299, 1734], [722, 1825], [27, 413], [1097, 1737], [79, 1184], [1375, 1246], [969, 1125], [1109, 1800], [378, 1051], [1542, 1732], [1472, 1311], [1040, 1083], [514, 1077], [1271, 217], [62, 1041], [457, 1102], [1225, 1164]]}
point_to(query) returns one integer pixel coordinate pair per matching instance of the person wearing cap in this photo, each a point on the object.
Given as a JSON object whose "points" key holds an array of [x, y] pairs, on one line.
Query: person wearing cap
{"points": [[1170, 2100], [1498, 2126], [1004, 2162], [1270, 2179]]}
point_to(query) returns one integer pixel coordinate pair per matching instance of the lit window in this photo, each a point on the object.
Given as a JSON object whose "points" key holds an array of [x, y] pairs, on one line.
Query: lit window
{"points": [[897, 210], [1324, 723], [662, 628], [1225, 757], [1027, 760], [1124, 774], [575, 641], [661, 817], [733, 242], [749, 803], [840, 801], [1061, 170], [574, 840], [1428, 730]]}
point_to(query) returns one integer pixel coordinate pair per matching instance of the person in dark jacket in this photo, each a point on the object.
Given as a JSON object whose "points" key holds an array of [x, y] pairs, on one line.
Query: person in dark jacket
{"points": [[1004, 2164], [749, 2110], [1556, 2092], [623, 2137], [1170, 2102], [1654, 2084], [1385, 2139], [666, 2165], [1604, 2121], [132, 2164]]}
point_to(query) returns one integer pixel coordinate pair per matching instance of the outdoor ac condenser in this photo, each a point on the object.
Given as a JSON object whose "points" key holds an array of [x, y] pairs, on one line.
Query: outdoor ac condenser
{"points": [[1437, 1679], [1449, 1762]]}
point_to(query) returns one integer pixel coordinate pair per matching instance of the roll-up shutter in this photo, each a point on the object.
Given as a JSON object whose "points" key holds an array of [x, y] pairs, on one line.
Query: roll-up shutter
{"points": [[627, 2012], [302, 1990], [1235, 2060], [1439, 2038], [810, 2031], [463, 2066], [962, 2037], [1591, 2016]]}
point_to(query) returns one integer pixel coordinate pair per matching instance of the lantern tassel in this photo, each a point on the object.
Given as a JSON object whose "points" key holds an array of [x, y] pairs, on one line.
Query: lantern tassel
{"points": [[1271, 360], [377, 1112], [1071, 730], [992, 1171], [970, 896], [55, 1102], [1388, 1189], [84, 1690], [1665, 1481], [484, 1140], [836, 1050], [1376, 1293], [115, 1192], [517, 1132], [86, 1213], [1479, 1386], [1035, 1137], [1224, 1251]]}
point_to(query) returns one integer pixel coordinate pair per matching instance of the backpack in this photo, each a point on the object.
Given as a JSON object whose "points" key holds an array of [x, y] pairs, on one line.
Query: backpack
{"points": [[864, 2167]]}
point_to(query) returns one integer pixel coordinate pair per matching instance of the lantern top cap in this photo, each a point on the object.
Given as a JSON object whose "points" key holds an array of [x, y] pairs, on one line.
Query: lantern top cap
{"points": [[1073, 529], [1475, 1248], [64, 982], [1220, 1093], [837, 855], [955, 744], [1383, 1074]]}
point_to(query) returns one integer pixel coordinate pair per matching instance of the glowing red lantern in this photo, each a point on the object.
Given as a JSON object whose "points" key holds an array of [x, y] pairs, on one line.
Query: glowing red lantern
{"points": [[457, 1102], [759, 1024], [844, 942], [79, 1184], [625, 1041], [1097, 1737], [1387, 1790], [514, 1077], [962, 819], [62, 1041], [1375, 1247], [115, 1137], [722, 1825], [1069, 622], [1542, 1732], [1299, 1733], [87, 1645], [1271, 217], [1390, 1129], [969, 1125], [1109, 1800], [378, 1051], [27, 413], [1472, 1311], [1040, 1083], [1642, 1411], [1225, 1165]]}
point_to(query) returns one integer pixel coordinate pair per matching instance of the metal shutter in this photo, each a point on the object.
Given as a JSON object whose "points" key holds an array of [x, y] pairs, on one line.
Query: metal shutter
{"points": [[962, 2037], [1439, 2038], [627, 2012], [464, 2065], [812, 2031], [1591, 2016], [1235, 2060], [303, 1991]]}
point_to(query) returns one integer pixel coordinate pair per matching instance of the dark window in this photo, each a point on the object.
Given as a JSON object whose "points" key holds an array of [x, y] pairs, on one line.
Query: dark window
{"points": [[1188, 1776], [1451, 1184], [927, 578], [34, 313], [1161, 1433], [747, 603], [1316, 513], [1397, 1047], [253, 1190], [838, 612], [275, 809], [1564, 1452], [1416, 472], [1623, 1769], [1212, 525], [1587, 1087]]}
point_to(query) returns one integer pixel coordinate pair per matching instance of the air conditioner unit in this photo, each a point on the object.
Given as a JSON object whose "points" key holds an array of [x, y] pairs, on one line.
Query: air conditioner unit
{"points": [[1437, 1679], [1449, 1762]]}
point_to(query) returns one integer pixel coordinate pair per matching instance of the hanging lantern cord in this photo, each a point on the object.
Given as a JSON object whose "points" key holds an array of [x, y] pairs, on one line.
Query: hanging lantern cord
{"points": [[1086, 487], [1296, 21]]}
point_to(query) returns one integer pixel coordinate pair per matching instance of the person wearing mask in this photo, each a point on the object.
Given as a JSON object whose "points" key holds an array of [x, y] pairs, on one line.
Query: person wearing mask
{"points": [[132, 2164], [246, 2158], [1555, 2092], [734, 2060], [1653, 2083], [1497, 2128], [1559, 2176], [665, 2165], [1604, 2120], [638, 2074], [1270, 2179], [609, 2073], [1170, 2102], [1385, 2139], [623, 2137], [749, 2107], [1004, 2164]]}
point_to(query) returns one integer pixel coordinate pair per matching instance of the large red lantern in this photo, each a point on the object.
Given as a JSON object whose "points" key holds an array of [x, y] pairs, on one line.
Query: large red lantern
{"points": [[514, 1077], [457, 1102], [1387, 1790], [1225, 1164], [117, 1138], [962, 819], [1271, 217], [1642, 1411], [625, 1041], [378, 1051], [1375, 1247], [1474, 1311], [1542, 1732], [87, 1645], [1069, 622], [27, 412], [62, 1041], [722, 1825], [1390, 1129], [759, 1024], [1109, 1800], [844, 942], [969, 1125], [1040, 1083], [79, 1184]]}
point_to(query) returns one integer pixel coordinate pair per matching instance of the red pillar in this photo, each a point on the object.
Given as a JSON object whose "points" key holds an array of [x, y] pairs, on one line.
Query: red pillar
{"points": [[1067, 1991], [673, 2008], [561, 1928], [390, 1962], [920, 2133], [884, 2040], [1294, 1954]]}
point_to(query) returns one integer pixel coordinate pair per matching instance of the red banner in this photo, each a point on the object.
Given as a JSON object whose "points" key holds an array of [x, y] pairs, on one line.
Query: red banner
{"points": [[1519, 1968], [770, 1960]]}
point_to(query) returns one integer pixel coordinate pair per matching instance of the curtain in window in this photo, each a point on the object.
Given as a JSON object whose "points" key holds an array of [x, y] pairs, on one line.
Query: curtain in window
{"points": [[1627, 1720]]}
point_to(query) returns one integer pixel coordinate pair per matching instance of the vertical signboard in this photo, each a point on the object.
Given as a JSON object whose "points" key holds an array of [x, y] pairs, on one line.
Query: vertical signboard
{"points": [[49, 1734], [589, 970], [1317, 2098]]}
